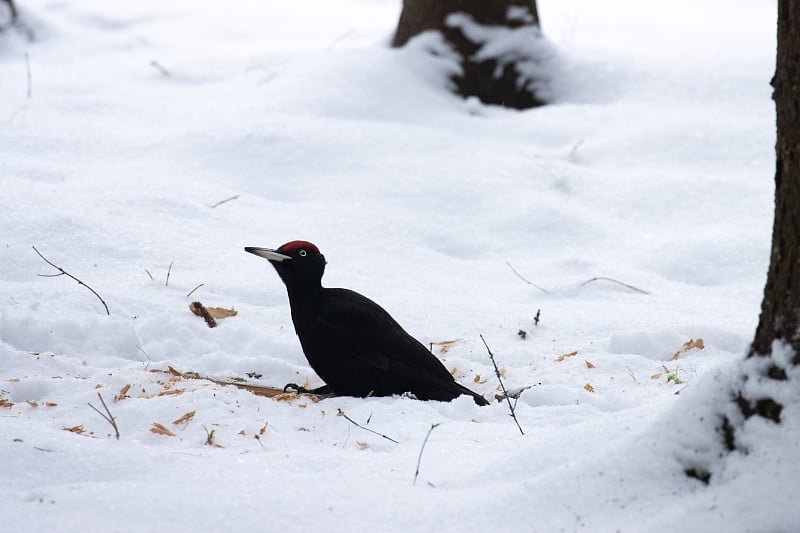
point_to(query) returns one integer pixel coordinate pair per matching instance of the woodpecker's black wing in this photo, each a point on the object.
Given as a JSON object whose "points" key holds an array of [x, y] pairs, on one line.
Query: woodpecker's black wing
{"points": [[358, 348]]}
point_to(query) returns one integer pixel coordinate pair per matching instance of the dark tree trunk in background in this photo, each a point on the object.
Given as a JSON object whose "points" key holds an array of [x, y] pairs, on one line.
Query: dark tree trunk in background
{"points": [[468, 25], [780, 309]]}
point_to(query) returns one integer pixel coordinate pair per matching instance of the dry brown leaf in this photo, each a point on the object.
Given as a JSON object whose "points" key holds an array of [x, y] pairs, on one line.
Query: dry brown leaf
{"points": [[588, 388], [50, 404], [35, 353], [159, 429], [200, 310], [502, 371], [172, 371], [656, 376], [98, 386], [171, 392], [185, 418], [301, 428], [286, 397], [263, 429], [33, 403], [74, 429], [5, 403], [564, 356], [362, 445], [123, 393], [589, 364], [453, 371], [444, 346], [13, 380], [477, 378], [221, 312], [691, 344], [242, 432]]}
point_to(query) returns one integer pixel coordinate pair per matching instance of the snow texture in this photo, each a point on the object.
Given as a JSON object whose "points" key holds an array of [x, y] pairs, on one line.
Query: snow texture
{"points": [[129, 121]]}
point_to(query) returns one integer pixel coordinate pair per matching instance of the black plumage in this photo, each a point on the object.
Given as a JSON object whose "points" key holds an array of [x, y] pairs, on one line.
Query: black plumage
{"points": [[351, 342]]}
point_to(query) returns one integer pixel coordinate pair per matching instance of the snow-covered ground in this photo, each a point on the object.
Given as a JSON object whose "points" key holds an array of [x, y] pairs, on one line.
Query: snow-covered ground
{"points": [[654, 166]]}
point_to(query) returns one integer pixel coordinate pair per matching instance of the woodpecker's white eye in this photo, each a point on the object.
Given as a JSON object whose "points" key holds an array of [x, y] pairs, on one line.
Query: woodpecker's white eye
{"points": [[302, 253]]}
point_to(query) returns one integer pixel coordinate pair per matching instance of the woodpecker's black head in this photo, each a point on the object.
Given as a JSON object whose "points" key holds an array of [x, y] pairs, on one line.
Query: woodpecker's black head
{"points": [[299, 263]]}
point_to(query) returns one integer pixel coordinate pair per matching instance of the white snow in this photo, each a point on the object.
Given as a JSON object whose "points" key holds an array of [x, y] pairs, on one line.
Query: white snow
{"points": [[654, 166]]}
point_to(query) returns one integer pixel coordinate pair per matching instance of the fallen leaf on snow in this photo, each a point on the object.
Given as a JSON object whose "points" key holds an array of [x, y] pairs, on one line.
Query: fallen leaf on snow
{"points": [[564, 356], [6, 404], [171, 392], [691, 344], [185, 418], [588, 364], [123, 393], [588, 388], [656, 376], [362, 445], [159, 429], [50, 404], [444, 346], [220, 312], [200, 310], [74, 429], [33, 403]]}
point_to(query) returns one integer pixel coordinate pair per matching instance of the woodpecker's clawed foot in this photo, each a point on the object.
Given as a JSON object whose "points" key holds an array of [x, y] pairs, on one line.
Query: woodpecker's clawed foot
{"points": [[325, 390]]}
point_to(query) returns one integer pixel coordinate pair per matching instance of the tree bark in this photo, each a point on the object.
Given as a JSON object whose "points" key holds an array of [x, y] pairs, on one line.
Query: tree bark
{"points": [[494, 80], [780, 308]]}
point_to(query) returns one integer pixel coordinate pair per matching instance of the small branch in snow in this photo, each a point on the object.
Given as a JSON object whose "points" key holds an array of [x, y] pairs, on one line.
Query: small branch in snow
{"points": [[169, 270], [525, 280], [612, 280], [633, 376], [572, 153], [27, 69], [505, 392], [226, 200], [192, 291], [341, 413], [422, 449], [160, 68], [65, 273], [145, 354], [109, 418], [537, 317], [149, 274]]}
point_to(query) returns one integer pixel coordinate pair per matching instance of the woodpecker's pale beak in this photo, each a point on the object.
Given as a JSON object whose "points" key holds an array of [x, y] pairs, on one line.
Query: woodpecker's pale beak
{"points": [[267, 253]]}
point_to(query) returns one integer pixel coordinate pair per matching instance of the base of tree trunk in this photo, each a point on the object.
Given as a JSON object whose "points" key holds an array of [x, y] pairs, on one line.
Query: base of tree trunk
{"points": [[499, 46]]}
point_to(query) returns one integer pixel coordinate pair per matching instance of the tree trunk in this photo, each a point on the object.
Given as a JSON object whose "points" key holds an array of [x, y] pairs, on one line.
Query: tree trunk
{"points": [[501, 76], [780, 309]]}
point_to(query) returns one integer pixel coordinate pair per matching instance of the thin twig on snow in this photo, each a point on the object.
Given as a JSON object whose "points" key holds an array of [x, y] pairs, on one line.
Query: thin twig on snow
{"points": [[109, 418], [422, 449], [341, 413], [532, 284], [65, 273], [505, 392], [226, 200]]}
